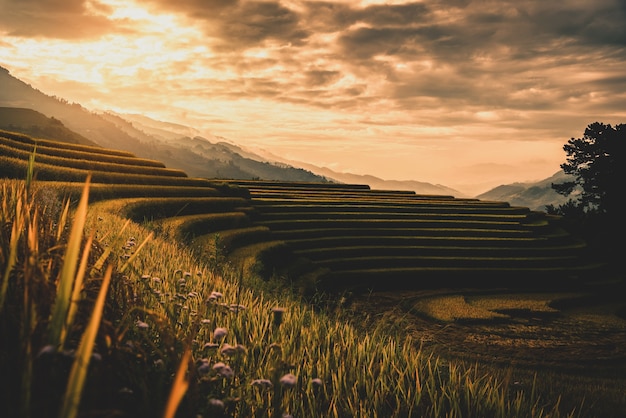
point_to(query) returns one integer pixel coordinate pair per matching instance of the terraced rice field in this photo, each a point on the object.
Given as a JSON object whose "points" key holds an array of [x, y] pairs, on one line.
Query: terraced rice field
{"points": [[366, 238], [340, 235]]}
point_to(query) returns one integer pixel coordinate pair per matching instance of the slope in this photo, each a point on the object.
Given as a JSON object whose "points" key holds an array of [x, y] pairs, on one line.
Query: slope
{"points": [[108, 130]]}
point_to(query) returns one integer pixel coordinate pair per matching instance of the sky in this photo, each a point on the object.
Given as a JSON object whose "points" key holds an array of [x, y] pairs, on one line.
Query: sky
{"points": [[467, 94]]}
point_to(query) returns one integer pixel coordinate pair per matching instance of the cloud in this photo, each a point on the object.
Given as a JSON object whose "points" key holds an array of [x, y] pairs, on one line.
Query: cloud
{"points": [[394, 72], [65, 19], [241, 24]]}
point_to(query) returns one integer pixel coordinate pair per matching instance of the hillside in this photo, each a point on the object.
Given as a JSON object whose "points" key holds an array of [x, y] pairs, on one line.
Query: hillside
{"points": [[535, 195], [318, 234], [202, 159], [38, 125], [180, 146]]}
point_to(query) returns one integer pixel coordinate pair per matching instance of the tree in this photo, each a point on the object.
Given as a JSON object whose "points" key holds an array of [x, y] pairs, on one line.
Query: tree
{"points": [[597, 162]]}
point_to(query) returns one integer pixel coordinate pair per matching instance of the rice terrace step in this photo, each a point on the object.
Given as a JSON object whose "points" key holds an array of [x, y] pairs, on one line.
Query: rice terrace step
{"points": [[339, 236]]}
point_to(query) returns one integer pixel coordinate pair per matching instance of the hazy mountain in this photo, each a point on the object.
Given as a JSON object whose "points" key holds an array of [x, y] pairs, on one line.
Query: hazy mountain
{"points": [[166, 131], [418, 187], [532, 195], [38, 125], [147, 138], [182, 147]]}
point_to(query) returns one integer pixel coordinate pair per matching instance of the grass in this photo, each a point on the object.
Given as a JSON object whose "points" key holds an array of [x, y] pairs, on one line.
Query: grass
{"points": [[63, 149], [25, 139], [246, 358], [449, 308], [102, 315], [16, 168], [92, 163], [141, 209]]}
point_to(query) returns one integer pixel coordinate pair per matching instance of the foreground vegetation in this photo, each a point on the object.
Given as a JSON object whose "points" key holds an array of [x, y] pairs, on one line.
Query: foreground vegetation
{"points": [[124, 293], [181, 337]]}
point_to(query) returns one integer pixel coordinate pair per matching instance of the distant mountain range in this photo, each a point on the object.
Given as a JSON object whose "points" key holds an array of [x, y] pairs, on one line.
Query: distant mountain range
{"points": [[534, 195], [25, 109]]}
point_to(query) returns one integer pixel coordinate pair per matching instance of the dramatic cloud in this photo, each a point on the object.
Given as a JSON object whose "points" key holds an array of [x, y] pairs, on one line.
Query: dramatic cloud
{"points": [[77, 19], [445, 89]]}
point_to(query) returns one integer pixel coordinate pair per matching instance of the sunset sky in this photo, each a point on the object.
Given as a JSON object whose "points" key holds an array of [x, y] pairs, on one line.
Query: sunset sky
{"points": [[469, 94]]}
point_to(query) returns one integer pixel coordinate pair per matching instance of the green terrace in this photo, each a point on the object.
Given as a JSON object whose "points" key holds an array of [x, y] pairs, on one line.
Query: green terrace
{"points": [[329, 235], [373, 239]]}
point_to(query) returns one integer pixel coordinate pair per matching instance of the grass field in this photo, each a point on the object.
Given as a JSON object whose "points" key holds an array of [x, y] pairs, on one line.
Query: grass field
{"points": [[205, 313]]}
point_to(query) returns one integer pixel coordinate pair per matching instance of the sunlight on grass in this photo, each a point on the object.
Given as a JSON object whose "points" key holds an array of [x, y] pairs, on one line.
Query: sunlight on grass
{"points": [[530, 302], [169, 333], [453, 308]]}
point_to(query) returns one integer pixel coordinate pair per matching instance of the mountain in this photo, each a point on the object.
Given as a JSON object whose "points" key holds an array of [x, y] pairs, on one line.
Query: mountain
{"points": [[144, 137], [418, 187], [532, 195], [38, 125], [203, 158]]}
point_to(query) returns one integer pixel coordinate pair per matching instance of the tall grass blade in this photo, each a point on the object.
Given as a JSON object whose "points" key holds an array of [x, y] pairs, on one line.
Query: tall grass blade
{"points": [[179, 387], [30, 172], [63, 219], [132, 257], [16, 233], [57, 330], [78, 284], [97, 266], [73, 392]]}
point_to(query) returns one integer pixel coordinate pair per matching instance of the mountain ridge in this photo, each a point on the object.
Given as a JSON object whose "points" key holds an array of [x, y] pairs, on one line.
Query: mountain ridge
{"points": [[120, 134], [183, 147]]}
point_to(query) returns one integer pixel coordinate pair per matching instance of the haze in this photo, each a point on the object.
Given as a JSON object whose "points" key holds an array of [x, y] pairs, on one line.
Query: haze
{"points": [[468, 94]]}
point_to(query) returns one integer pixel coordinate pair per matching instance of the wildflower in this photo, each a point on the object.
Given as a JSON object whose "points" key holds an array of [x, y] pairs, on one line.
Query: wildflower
{"points": [[231, 350], [288, 380], [156, 279], [215, 296], [209, 346], [202, 366], [145, 277], [46, 351], [216, 405], [228, 350], [205, 321], [223, 370], [317, 382], [219, 366], [262, 383], [227, 373], [278, 315], [141, 325], [236, 308], [220, 333]]}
